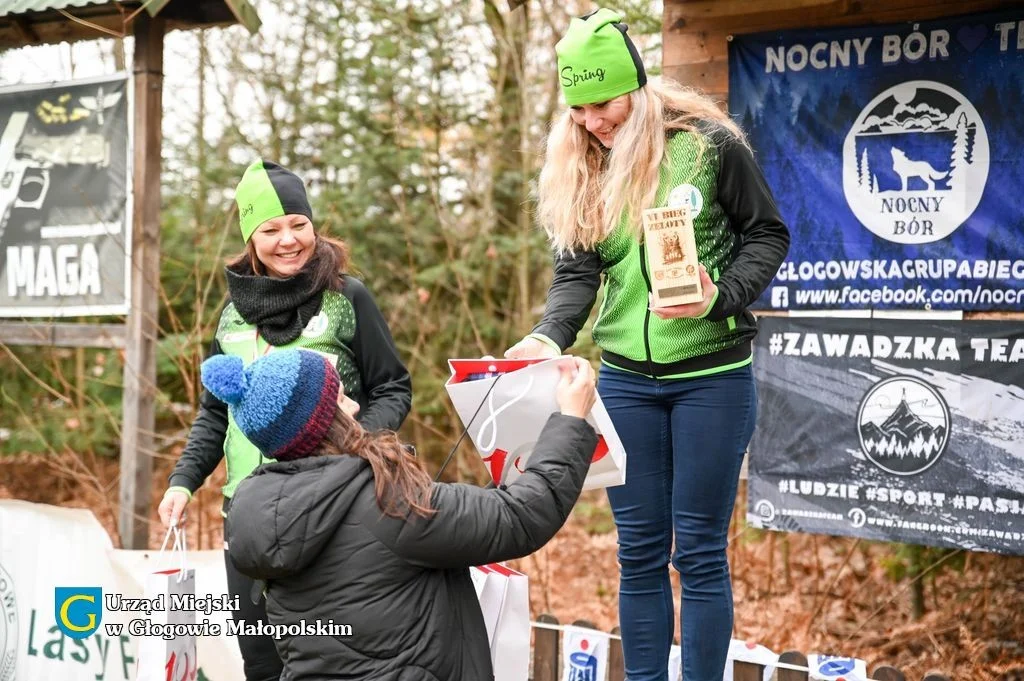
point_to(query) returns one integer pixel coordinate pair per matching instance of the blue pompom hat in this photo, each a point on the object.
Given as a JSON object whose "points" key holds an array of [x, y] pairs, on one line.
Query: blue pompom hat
{"points": [[283, 402]]}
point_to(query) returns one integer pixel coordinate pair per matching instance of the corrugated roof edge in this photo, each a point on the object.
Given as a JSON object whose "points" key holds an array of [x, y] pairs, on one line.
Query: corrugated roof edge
{"points": [[243, 10], [23, 6]]}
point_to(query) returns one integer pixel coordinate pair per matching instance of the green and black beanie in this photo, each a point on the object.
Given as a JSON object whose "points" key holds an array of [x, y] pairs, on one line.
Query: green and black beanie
{"points": [[596, 59], [268, 191]]}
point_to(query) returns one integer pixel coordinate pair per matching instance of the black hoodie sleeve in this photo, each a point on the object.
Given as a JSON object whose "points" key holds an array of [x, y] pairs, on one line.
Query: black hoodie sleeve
{"points": [[763, 238], [386, 381], [205, 446], [571, 295], [475, 526]]}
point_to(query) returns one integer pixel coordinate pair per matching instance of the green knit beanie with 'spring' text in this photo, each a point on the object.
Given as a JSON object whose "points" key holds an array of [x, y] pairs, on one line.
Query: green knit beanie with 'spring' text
{"points": [[596, 59], [268, 191]]}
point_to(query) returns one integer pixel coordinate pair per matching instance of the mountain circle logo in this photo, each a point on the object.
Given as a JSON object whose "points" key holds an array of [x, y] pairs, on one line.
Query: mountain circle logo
{"points": [[903, 424], [915, 162], [8, 627], [765, 510]]}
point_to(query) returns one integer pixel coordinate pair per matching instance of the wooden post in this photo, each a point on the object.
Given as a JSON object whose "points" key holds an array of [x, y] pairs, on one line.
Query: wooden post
{"points": [[747, 671], [616, 662], [887, 673], [545, 651], [141, 326], [795, 658]]}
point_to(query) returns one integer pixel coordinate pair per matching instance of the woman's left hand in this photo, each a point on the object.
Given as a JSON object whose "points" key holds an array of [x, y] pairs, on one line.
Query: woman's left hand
{"points": [[709, 290]]}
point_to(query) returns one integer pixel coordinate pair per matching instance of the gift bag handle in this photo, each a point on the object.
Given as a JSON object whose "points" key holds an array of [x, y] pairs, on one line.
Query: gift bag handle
{"points": [[179, 546], [492, 420], [465, 430]]}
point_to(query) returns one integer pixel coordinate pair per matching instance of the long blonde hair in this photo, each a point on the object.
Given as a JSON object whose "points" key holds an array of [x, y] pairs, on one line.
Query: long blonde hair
{"points": [[585, 190]]}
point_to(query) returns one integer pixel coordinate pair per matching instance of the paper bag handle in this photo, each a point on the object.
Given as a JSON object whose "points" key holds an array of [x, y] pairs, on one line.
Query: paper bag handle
{"points": [[492, 420], [179, 546], [465, 430]]}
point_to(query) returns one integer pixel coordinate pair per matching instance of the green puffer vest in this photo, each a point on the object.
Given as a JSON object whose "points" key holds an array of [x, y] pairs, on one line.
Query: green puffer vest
{"points": [[625, 308]]}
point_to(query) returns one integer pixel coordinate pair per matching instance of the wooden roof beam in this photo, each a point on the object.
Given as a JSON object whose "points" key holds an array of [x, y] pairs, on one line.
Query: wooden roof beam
{"points": [[24, 30]]}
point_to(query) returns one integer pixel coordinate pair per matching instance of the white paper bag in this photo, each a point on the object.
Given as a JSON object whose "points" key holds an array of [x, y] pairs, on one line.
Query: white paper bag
{"points": [[505, 403], [586, 655], [171, 658], [491, 594], [505, 602]]}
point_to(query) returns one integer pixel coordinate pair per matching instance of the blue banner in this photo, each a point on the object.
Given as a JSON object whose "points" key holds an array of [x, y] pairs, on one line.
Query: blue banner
{"points": [[894, 156]]}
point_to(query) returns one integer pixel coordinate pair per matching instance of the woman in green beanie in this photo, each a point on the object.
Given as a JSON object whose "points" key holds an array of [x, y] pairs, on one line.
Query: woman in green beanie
{"points": [[676, 381], [288, 289]]}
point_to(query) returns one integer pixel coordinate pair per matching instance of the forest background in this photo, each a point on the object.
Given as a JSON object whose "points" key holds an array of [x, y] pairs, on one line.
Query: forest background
{"points": [[419, 127]]}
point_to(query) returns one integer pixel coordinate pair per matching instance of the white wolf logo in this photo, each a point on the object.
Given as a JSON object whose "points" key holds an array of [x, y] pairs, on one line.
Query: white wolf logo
{"points": [[906, 169]]}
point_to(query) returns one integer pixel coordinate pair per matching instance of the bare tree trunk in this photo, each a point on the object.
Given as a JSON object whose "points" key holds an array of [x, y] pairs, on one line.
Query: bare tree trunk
{"points": [[201, 188], [511, 166], [199, 207], [915, 564], [521, 30]]}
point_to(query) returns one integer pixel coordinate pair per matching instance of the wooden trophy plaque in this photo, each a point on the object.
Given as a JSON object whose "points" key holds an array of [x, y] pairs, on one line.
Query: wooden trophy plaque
{"points": [[672, 256]]}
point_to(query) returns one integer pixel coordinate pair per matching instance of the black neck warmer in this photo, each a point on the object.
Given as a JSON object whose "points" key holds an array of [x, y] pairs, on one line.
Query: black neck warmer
{"points": [[279, 308]]}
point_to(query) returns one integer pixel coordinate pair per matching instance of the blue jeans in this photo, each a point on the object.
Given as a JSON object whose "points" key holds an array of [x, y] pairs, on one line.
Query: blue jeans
{"points": [[684, 441]]}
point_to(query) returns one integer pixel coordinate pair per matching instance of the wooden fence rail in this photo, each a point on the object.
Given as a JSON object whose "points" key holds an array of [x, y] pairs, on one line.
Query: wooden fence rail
{"points": [[547, 663]]}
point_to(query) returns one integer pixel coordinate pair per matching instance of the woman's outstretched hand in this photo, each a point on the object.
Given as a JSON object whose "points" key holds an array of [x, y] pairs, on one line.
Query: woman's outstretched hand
{"points": [[576, 391]]}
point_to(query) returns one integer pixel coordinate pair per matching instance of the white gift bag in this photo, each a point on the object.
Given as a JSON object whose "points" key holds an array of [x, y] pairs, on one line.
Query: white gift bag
{"points": [[171, 657], [504, 405], [505, 602], [491, 594]]}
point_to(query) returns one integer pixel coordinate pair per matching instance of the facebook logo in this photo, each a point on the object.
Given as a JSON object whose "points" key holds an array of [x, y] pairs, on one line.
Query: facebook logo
{"points": [[780, 296]]}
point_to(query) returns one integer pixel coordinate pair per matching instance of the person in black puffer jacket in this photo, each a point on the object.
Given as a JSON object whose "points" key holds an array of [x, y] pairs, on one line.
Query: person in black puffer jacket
{"points": [[346, 527], [288, 288]]}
